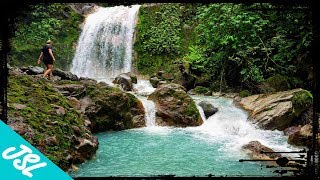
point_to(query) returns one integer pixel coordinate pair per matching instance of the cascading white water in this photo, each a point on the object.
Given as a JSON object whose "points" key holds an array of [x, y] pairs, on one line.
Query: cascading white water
{"points": [[144, 88], [150, 110], [104, 48], [230, 125]]}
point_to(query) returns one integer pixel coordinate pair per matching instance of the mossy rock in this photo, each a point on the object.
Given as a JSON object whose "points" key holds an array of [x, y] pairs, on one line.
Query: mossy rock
{"points": [[202, 90], [175, 107], [244, 93], [278, 82], [301, 101], [39, 119], [113, 109]]}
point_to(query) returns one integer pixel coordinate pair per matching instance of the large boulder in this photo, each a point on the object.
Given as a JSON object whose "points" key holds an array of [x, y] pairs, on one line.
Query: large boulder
{"points": [[277, 110], [32, 70], [64, 74], [301, 137], [208, 108], [110, 108], [124, 81], [175, 107], [154, 81]]}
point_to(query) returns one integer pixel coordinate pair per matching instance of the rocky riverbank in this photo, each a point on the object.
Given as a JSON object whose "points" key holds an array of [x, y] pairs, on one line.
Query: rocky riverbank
{"points": [[58, 117]]}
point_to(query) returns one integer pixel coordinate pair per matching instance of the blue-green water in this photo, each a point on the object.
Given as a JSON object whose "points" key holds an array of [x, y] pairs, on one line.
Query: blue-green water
{"points": [[212, 148]]}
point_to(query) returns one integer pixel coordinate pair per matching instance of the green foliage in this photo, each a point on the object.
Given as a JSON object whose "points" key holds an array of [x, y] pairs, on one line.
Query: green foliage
{"points": [[54, 21], [164, 33], [279, 82], [250, 46], [244, 93], [201, 90]]}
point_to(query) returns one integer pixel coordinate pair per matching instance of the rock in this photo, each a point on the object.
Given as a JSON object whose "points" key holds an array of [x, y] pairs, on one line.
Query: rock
{"points": [[110, 108], [76, 130], [65, 75], [74, 167], [208, 108], [69, 158], [49, 122], [167, 76], [87, 148], [19, 125], [169, 108], [133, 77], [154, 81], [59, 110], [200, 90], [291, 130], [124, 81], [19, 106], [303, 137], [87, 123], [15, 71], [277, 110], [75, 102], [254, 149], [162, 83], [72, 89], [51, 141], [32, 70], [160, 73], [83, 8], [85, 102]]}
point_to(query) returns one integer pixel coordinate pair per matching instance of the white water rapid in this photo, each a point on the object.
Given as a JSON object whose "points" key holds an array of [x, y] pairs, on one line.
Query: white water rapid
{"points": [[104, 48]]}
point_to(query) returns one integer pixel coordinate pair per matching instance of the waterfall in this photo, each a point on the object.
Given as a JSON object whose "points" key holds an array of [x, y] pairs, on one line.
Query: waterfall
{"points": [[104, 48], [144, 88], [150, 110]]}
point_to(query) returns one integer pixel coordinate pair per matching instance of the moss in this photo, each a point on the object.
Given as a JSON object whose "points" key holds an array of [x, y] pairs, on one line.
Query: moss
{"points": [[192, 110], [278, 82], [244, 93], [39, 98], [170, 51], [301, 101], [201, 90]]}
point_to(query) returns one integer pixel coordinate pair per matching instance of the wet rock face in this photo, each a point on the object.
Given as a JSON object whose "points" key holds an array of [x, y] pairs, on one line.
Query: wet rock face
{"points": [[124, 81], [254, 149], [175, 107], [302, 137], [208, 108], [277, 110]]}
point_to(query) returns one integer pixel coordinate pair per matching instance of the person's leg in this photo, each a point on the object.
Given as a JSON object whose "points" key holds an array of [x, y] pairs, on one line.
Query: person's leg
{"points": [[50, 72], [47, 71]]}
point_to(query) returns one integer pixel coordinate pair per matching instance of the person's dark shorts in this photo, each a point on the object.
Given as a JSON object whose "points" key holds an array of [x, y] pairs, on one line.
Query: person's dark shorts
{"points": [[48, 61]]}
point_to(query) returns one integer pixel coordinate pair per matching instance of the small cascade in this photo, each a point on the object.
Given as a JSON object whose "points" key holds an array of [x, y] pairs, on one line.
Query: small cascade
{"points": [[150, 110], [143, 87], [104, 48]]}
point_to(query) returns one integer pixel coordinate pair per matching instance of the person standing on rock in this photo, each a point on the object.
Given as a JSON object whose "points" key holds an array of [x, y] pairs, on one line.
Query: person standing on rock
{"points": [[48, 58]]}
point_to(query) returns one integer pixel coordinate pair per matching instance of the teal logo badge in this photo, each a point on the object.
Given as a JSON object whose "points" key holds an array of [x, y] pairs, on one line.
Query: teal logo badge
{"points": [[19, 160]]}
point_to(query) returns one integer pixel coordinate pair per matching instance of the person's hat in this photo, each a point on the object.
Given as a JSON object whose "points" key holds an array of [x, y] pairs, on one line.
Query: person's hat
{"points": [[49, 41]]}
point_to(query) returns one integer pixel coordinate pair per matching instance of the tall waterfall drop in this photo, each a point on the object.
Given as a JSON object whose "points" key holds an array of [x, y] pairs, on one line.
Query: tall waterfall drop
{"points": [[104, 48]]}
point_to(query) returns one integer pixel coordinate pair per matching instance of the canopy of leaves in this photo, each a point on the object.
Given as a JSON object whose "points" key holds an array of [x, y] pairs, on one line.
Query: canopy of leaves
{"points": [[245, 46]]}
